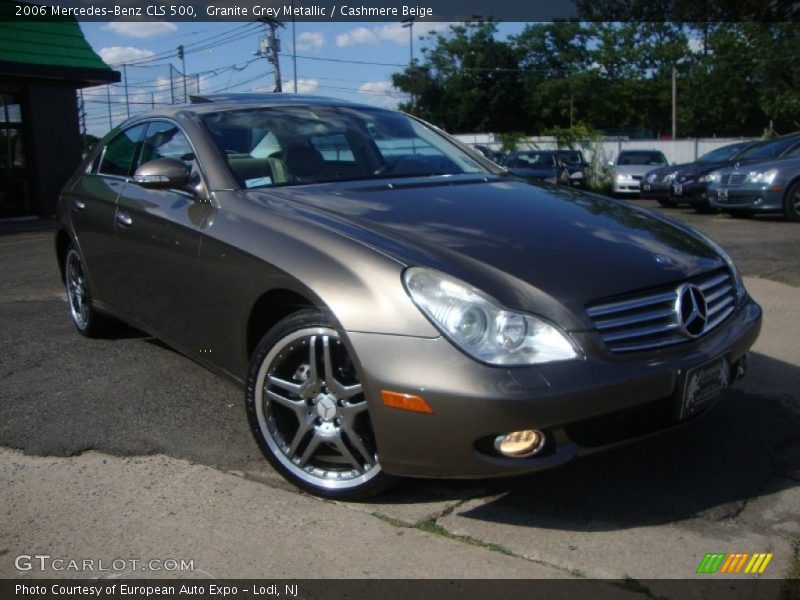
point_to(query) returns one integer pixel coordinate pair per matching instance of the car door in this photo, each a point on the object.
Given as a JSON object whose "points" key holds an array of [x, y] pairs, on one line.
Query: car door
{"points": [[158, 272], [93, 204]]}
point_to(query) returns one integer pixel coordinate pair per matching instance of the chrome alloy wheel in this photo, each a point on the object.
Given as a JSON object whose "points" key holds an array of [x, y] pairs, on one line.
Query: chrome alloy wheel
{"points": [[77, 290], [312, 412]]}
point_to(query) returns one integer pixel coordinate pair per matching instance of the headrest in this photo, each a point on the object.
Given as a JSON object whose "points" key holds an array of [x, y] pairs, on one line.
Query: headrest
{"points": [[303, 161]]}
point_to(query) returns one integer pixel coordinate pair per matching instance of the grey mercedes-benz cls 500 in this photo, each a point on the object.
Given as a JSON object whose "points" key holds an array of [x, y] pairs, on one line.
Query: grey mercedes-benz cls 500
{"points": [[393, 303]]}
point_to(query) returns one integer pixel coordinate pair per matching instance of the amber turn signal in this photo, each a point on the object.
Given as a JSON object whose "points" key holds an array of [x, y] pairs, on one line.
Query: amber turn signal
{"points": [[405, 402]]}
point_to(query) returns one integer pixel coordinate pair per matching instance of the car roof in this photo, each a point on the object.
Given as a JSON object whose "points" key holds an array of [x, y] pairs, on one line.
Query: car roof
{"points": [[208, 103]]}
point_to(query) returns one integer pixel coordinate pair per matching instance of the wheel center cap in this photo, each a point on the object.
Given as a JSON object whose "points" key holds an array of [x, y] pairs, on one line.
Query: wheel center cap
{"points": [[326, 407]]}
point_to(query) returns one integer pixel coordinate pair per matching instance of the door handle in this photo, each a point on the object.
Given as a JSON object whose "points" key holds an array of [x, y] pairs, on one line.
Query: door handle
{"points": [[79, 204], [124, 219]]}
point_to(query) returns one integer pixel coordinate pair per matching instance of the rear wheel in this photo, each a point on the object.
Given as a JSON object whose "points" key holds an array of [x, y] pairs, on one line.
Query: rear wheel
{"points": [[791, 203], [703, 207], [308, 411], [86, 319]]}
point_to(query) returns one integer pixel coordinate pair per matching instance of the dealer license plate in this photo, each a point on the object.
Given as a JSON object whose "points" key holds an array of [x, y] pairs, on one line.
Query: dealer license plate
{"points": [[703, 386], [677, 189]]}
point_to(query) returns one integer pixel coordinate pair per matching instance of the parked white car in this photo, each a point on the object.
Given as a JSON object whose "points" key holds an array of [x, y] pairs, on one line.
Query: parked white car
{"points": [[631, 166]]}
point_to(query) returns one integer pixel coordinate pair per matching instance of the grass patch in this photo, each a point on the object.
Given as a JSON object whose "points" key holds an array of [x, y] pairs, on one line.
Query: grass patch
{"points": [[432, 526]]}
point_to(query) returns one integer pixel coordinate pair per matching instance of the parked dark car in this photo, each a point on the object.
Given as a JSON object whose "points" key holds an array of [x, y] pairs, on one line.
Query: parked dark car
{"points": [[392, 303], [537, 165], [765, 187], [657, 184], [577, 167], [691, 184], [492, 155]]}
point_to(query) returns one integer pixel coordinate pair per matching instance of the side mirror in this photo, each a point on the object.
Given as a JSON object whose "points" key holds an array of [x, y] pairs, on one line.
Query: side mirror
{"points": [[162, 173], [611, 163]]}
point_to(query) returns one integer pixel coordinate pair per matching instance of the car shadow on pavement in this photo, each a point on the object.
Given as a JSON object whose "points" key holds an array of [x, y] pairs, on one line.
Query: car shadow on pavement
{"points": [[746, 446]]}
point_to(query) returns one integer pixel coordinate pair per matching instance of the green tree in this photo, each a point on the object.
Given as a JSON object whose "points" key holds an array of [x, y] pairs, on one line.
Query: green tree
{"points": [[468, 80]]}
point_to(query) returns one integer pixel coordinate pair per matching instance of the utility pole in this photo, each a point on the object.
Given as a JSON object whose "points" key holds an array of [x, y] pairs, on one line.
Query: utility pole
{"points": [[182, 57], [108, 100], [171, 85], [270, 47], [409, 24], [571, 109], [125, 78], [674, 103], [294, 50], [82, 119], [152, 100]]}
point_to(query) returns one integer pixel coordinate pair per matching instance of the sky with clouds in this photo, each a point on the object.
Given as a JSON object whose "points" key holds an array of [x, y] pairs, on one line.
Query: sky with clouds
{"points": [[214, 48]]}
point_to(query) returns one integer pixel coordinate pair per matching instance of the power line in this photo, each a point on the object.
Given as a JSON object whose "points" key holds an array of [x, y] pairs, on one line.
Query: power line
{"points": [[212, 42]]}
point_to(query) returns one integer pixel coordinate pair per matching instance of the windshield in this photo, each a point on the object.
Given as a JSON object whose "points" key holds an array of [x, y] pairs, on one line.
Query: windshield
{"points": [[723, 153], [293, 145], [770, 149], [571, 157], [641, 158]]}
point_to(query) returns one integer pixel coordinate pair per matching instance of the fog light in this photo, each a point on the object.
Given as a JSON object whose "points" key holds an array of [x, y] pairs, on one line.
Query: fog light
{"points": [[519, 444]]}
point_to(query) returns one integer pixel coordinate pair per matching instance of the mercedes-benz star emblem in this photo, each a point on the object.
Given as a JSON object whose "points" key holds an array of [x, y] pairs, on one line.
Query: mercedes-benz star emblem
{"points": [[692, 310]]}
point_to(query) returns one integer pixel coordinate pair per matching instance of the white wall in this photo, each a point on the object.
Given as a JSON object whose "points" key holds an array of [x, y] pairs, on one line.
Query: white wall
{"points": [[677, 151]]}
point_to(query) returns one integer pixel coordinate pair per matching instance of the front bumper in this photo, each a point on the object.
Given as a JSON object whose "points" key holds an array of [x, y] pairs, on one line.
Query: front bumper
{"points": [[654, 190], [755, 199], [626, 186], [569, 401], [694, 192]]}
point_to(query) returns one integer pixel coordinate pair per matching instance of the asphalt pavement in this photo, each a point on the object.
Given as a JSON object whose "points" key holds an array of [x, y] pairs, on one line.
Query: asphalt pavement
{"points": [[127, 447]]}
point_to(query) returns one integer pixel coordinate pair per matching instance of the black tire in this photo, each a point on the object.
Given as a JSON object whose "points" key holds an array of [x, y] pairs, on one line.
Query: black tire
{"points": [[791, 203], [287, 422], [704, 208], [741, 214], [667, 202], [86, 319]]}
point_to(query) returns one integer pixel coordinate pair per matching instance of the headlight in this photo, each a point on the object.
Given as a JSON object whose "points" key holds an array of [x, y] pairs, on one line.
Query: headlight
{"points": [[766, 177], [713, 177], [741, 292], [669, 177], [476, 324]]}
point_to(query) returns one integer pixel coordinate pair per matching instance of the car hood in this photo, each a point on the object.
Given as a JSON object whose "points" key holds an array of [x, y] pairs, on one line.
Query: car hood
{"points": [[661, 172], [546, 172], [632, 169], [787, 163], [520, 243], [697, 169]]}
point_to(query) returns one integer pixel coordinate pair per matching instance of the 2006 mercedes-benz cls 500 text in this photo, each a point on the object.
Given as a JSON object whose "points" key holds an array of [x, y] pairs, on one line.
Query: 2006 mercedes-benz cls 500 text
{"points": [[393, 303]]}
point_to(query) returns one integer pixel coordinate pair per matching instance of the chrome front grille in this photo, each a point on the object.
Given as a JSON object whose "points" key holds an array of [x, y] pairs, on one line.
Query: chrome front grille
{"points": [[732, 178], [649, 320]]}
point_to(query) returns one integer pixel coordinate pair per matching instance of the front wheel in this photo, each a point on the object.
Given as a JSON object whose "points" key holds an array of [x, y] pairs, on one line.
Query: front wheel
{"points": [[308, 412], [791, 203]]}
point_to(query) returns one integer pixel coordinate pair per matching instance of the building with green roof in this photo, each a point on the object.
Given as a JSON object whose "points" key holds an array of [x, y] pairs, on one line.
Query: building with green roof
{"points": [[42, 65]]}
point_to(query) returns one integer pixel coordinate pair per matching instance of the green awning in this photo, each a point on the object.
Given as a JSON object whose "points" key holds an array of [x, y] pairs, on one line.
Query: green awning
{"points": [[50, 48]]}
